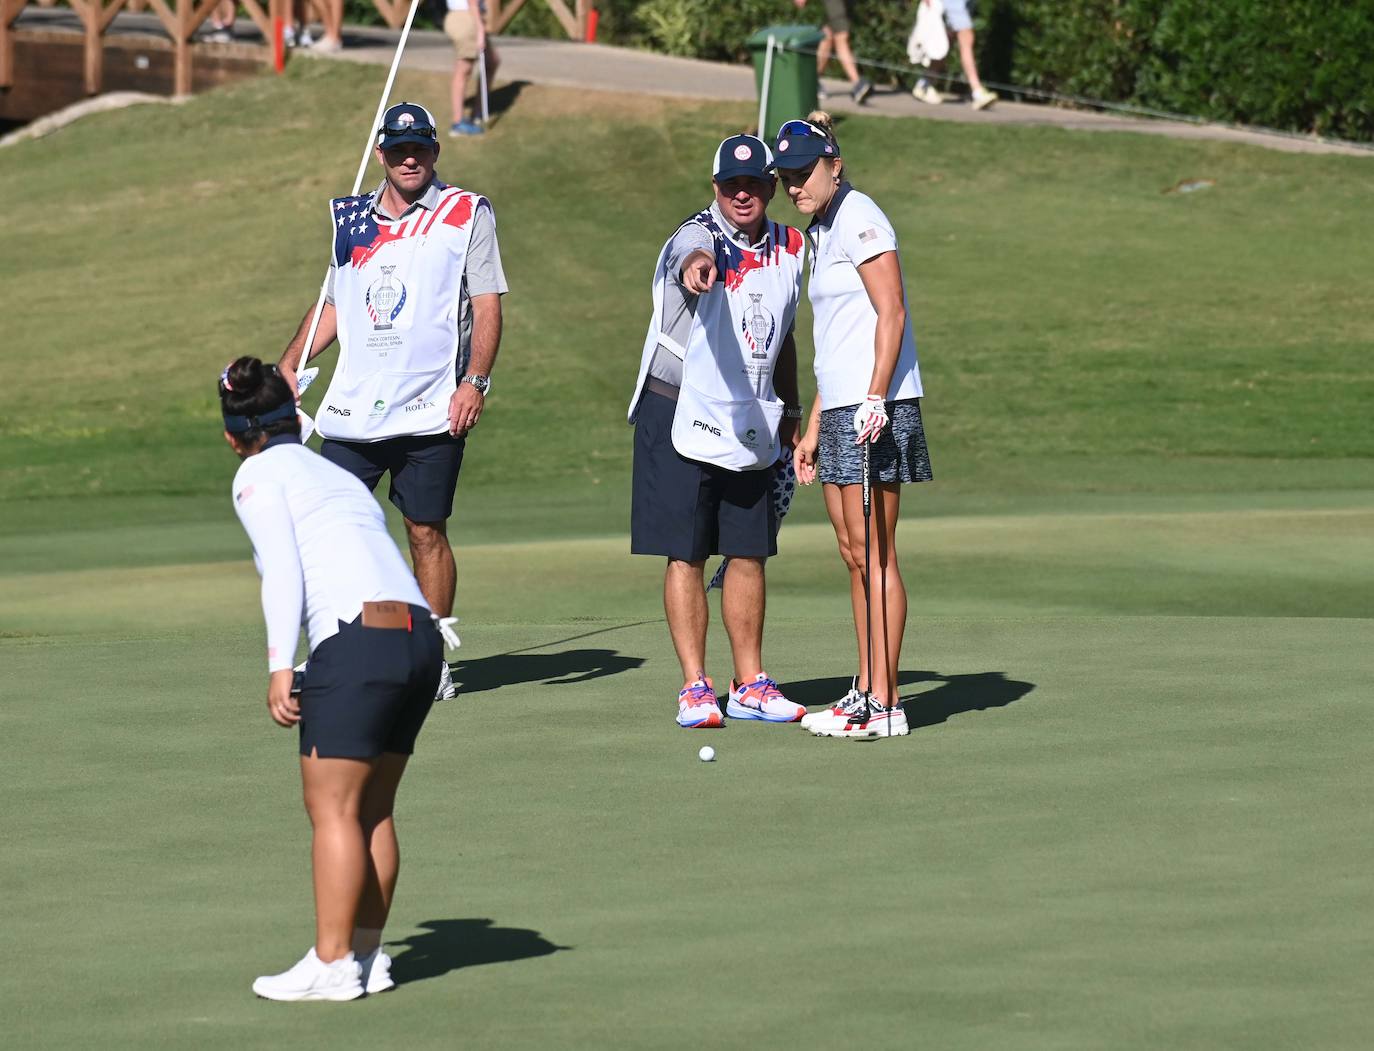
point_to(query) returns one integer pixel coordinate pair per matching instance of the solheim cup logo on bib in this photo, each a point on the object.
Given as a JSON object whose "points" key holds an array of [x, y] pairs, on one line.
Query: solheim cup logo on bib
{"points": [[385, 298], [759, 326]]}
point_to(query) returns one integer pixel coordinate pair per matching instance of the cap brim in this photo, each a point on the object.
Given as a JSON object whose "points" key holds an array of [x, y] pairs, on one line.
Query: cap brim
{"points": [[792, 161], [762, 174]]}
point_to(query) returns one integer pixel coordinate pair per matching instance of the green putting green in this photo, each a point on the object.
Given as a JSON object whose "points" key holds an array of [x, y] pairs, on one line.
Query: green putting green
{"points": [[1131, 813]]}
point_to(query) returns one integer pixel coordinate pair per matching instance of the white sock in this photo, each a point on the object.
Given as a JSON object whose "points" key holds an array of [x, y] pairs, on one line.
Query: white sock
{"points": [[366, 941]]}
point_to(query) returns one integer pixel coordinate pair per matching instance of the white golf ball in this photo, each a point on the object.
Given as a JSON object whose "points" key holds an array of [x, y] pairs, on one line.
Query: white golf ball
{"points": [[707, 753]]}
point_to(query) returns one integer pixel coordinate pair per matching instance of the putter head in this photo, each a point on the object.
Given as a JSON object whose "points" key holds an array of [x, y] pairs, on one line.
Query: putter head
{"points": [[307, 426]]}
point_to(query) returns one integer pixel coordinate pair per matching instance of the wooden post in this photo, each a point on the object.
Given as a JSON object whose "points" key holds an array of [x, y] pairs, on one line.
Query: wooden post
{"points": [[181, 77], [9, 12]]}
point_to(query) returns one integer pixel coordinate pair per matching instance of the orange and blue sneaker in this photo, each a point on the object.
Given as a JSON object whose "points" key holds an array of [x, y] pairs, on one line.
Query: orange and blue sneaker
{"points": [[761, 699], [697, 708]]}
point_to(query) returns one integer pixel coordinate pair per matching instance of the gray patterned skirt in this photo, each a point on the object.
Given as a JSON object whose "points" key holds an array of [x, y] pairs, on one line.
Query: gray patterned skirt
{"points": [[899, 455]]}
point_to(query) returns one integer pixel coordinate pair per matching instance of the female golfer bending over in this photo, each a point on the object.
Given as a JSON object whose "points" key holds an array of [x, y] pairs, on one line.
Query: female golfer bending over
{"points": [[321, 545], [868, 393]]}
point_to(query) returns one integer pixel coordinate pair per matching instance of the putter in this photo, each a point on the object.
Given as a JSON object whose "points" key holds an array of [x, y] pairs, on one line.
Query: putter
{"points": [[357, 185], [868, 579]]}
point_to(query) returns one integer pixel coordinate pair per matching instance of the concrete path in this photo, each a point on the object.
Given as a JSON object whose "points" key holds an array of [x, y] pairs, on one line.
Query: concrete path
{"points": [[604, 68]]}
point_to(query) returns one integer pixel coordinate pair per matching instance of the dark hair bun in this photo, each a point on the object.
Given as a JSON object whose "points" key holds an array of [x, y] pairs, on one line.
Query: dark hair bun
{"points": [[246, 376]]}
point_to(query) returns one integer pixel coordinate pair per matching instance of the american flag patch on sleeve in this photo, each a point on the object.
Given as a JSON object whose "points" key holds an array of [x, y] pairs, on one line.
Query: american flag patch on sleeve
{"points": [[243, 494], [869, 235]]}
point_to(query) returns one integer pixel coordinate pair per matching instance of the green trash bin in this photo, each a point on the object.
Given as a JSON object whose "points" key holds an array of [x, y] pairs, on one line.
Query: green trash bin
{"points": [[790, 72]]}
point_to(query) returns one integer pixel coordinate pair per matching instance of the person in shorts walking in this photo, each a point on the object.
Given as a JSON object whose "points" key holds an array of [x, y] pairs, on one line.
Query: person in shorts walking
{"points": [[868, 392], [321, 545], [835, 41], [415, 287], [715, 401], [958, 20]]}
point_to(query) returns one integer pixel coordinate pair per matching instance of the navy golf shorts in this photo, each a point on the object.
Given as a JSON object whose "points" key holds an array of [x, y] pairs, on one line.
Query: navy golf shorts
{"points": [[368, 690], [687, 510], [424, 470]]}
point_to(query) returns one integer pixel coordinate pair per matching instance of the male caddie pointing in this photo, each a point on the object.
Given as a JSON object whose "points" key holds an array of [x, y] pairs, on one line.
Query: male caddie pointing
{"points": [[415, 299], [710, 424]]}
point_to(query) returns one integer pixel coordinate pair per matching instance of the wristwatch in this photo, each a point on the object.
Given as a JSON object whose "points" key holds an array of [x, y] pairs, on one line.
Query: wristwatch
{"points": [[482, 383]]}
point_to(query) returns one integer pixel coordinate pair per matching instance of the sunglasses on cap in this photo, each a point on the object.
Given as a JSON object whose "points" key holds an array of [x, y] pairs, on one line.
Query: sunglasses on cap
{"points": [[396, 128], [802, 127]]}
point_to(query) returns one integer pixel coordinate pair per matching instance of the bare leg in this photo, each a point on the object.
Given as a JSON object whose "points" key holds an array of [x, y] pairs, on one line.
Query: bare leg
{"points": [[458, 89], [846, 57], [333, 797], [384, 853], [684, 602], [834, 507], [886, 594], [823, 50], [434, 566], [742, 602], [331, 14], [966, 57]]}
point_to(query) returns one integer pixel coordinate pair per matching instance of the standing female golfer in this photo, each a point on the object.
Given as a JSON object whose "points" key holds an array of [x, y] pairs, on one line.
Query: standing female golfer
{"points": [[321, 545], [868, 394]]}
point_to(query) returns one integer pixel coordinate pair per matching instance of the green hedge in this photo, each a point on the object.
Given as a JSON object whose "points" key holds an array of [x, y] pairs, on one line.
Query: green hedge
{"points": [[1298, 65]]}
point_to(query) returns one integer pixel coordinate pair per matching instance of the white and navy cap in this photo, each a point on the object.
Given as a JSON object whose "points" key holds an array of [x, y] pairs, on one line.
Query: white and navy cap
{"points": [[742, 155], [801, 143], [407, 122]]}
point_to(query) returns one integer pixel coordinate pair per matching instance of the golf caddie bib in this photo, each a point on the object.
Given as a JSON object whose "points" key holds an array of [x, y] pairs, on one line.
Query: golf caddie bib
{"points": [[396, 295], [727, 411]]}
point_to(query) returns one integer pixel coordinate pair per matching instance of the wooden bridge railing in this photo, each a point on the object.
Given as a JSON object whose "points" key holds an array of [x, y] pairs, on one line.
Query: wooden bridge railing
{"points": [[181, 18]]}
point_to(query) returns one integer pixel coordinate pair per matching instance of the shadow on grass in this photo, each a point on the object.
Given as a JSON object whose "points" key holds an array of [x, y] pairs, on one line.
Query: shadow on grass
{"points": [[448, 945], [956, 694], [551, 669]]}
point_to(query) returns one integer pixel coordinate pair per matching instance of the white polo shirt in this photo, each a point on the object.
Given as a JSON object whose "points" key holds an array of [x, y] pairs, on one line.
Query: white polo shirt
{"points": [[852, 231], [320, 543]]}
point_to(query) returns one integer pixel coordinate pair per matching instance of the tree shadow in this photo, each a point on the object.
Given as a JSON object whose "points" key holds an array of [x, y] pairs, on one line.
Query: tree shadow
{"points": [[551, 669], [449, 945], [956, 694]]}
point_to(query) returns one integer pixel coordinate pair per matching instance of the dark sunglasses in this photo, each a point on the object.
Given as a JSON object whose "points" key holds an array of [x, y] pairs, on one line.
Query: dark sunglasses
{"points": [[398, 128]]}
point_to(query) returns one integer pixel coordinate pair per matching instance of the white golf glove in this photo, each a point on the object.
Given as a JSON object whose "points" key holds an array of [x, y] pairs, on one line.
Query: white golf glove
{"points": [[445, 626], [869, 419]]}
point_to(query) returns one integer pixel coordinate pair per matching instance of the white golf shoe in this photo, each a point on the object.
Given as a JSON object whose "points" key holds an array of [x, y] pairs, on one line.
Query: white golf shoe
{"points": [[376, 967], [868, 723], [313, 979], [810, 719]]}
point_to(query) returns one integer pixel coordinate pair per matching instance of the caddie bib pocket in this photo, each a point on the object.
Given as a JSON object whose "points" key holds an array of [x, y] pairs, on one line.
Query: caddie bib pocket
{"points": [[738, 435]]}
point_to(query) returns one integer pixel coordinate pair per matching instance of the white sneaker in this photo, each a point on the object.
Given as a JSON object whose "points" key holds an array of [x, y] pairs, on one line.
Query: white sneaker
{"points": [[868, 724], [447, 688], [810, 719], [376, 967], [927, 93], [313, 979], [983, 98]]}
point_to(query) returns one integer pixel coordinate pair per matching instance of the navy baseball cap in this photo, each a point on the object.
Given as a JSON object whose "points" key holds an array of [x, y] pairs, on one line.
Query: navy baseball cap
{"points": [[800, 143], [407, 122], [742, 155]]}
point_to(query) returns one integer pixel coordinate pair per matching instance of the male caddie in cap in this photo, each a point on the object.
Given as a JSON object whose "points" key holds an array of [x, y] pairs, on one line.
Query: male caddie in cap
{"points": [[715, 402], [415, 286]]}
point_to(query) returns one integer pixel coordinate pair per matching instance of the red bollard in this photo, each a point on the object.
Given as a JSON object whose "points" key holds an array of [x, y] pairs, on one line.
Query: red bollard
{"points": [[592, 16], [278, 45]]}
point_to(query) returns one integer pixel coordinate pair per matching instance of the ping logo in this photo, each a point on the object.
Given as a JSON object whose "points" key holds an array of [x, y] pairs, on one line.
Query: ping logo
{"points": [[707, 428], [338, 411]]}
